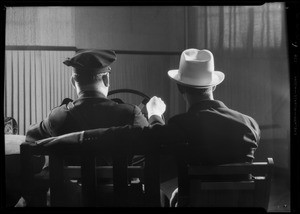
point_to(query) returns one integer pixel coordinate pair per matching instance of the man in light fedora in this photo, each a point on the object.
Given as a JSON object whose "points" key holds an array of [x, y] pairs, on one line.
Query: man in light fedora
{"points": [[215, 133]]}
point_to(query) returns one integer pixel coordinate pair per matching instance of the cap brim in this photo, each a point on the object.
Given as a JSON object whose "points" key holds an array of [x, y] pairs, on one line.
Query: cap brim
{"points": [[217, 78]]}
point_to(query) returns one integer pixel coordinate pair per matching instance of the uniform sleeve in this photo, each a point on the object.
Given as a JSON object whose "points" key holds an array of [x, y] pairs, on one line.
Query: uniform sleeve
{"points": [[156, 120], [45, 128], [135, 137], [139, 119], [38, 131]]}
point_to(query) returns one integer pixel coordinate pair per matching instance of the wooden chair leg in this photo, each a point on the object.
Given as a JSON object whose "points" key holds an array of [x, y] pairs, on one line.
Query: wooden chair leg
{"points": [[152, 181], [57, 193], [120, 181], [88, 178]]}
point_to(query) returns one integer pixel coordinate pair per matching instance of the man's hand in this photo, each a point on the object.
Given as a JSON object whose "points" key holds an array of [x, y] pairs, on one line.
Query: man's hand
{"points": [[155, 106], [71, 138]]}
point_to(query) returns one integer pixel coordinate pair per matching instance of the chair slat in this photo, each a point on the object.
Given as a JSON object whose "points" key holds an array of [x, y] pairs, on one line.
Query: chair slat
{"points": [[255, 168], [120, 180], [88, 179], [106, 172], [152, 182], [242, 185]]}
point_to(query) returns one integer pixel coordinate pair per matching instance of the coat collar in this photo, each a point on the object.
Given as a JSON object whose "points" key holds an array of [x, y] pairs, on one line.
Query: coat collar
{"points": [[87, 94], [84, 95], [207, 104]]}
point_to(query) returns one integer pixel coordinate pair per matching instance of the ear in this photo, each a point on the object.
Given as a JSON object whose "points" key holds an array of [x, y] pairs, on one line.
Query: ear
{"points": [[181, 89], [72, 82], [105, 79]]}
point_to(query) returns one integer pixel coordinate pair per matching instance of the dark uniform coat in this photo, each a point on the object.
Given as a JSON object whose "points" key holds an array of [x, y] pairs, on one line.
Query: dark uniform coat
{"points": [[96, 111], [91, 110]]}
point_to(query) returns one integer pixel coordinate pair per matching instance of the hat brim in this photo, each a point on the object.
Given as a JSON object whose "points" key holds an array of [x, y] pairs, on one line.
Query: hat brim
{"points": [[217, 78]]}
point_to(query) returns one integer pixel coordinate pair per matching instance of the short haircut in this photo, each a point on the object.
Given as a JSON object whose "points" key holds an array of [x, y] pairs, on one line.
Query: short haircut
{"points": [[84, 79], [194, 91]]}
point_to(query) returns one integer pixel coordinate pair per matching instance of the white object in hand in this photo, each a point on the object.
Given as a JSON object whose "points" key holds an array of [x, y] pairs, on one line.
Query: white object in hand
{"points": [[155, 106]]}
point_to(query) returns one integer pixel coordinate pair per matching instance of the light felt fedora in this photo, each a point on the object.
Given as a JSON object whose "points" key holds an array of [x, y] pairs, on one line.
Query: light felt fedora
{"points": [[197, 69]]}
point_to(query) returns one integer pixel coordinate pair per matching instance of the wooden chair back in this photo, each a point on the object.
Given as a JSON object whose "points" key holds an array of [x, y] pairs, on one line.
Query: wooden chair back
{"points": [[88, 172], [228, 185]]}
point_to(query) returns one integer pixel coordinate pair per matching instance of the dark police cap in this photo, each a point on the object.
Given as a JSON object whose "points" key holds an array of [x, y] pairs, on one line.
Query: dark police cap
{"points": [[92, 61]]}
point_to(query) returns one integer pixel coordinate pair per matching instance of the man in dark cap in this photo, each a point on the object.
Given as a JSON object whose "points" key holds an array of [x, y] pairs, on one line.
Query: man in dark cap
{"points": [[92, 109]]}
